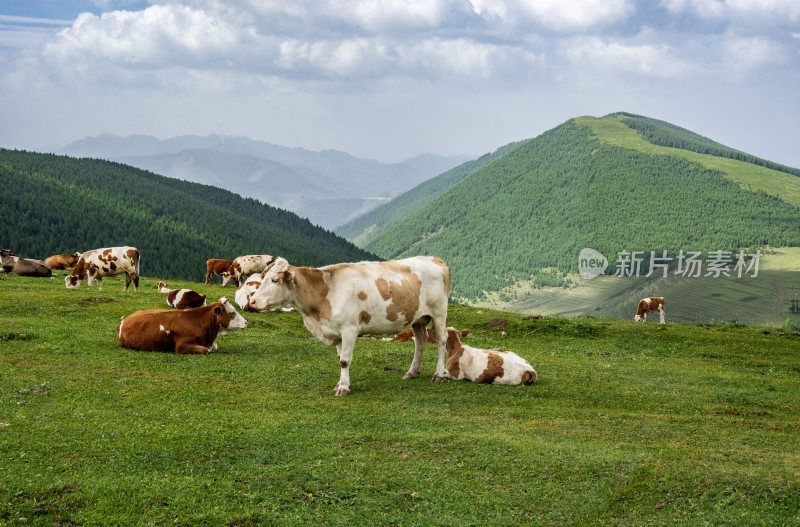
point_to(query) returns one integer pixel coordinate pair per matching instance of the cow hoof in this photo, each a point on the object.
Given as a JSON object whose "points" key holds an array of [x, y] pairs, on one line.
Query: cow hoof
{"points": [[439, 378], [342, 391], [410, 375]]}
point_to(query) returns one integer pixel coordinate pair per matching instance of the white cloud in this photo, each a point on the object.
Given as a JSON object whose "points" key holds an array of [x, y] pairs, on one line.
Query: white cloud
{"points": [[742, 55], [555, 15], [649, 60]]}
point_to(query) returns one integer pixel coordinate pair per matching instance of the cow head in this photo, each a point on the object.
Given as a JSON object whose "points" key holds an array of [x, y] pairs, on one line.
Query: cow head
{"points": [[5, 254], [230, 274], [227, 316], [162, 286], [276, 289], [72, 281]]}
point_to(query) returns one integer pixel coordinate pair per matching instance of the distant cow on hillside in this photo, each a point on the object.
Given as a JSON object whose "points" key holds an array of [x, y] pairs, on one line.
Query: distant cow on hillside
{"points": [[216, 266], [651, 303], [95, 264], [23, 266], [61, 262]]}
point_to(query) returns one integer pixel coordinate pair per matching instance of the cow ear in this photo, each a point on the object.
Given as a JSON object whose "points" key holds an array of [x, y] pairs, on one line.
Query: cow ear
{"points": [[217, 310], [464, 332], [286, 277]]}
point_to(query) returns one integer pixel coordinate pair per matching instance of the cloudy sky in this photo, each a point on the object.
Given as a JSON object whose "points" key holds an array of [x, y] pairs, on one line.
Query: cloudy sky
{"points": [[389, 79]]}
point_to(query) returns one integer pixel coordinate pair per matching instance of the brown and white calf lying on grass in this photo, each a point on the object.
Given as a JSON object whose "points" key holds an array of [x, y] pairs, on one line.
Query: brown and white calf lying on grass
{"points": [[185, 331], [485, 366], [479, 365], [182, 298]]}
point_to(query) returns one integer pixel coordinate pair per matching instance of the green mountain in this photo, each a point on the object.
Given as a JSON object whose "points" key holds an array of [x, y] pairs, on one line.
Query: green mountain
{"points": [[54, 204], [597, 183], [369, 226]]}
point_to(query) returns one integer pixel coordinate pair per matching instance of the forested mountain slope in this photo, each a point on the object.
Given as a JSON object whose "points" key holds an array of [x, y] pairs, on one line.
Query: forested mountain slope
{"points": [[54, 204], [369, 226], [570, 188]]}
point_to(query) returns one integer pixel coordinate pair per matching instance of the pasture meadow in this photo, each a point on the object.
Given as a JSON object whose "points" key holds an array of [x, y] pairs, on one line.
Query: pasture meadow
{"points": [[629, 424]]}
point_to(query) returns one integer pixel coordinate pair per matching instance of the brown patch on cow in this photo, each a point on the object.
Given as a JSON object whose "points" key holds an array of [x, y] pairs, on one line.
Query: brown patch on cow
{"points": [[404, 295], [113, 266], [383, 288], [133, 254], [106, 252], [311, 291], [528, 378], [395, 267], [172, 295], [362, 295], [343, 363], [454, 351], [446, 270], [364, 317], [494, 368]]}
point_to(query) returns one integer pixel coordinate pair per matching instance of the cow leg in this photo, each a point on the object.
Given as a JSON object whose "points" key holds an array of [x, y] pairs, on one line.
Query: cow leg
{"points": [[420, 338], [345, 349], [127, 282], [440, 330], [99, 284], [661, 313], [185, 348], [136, 283]]}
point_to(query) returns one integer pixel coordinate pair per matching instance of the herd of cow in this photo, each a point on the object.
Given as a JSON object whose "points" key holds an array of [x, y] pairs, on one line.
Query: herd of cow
{"points": [[337, 302]]}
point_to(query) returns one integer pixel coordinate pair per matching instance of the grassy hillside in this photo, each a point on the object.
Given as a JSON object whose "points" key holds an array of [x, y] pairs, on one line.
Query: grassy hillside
{"points": [[570, 188], [369, 226], [628, 425], [764, 300], [55, 204]]}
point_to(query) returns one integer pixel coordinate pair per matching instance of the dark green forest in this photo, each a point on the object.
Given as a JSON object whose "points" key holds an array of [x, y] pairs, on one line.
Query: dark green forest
{"points": [[541, 203], [666, 134], [369, 226], [55, 204]]}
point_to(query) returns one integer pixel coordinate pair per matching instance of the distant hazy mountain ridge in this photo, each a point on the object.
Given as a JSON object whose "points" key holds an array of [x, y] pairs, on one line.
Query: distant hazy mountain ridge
{"points": [[329, 187]]}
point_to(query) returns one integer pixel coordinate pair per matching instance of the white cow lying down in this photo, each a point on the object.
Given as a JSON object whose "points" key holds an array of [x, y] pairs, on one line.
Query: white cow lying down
{"points": [[485, 366]]}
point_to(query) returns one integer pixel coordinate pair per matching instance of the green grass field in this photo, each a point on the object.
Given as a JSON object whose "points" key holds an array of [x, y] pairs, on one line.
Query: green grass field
{"points": [[629, 424]]}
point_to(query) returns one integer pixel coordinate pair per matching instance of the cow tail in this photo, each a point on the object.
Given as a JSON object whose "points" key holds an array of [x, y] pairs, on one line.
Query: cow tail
{"points": [[138, 260]]}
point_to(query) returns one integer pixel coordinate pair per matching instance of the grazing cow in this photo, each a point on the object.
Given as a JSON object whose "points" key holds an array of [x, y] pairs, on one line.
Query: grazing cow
{"points": [[646, 305], [216, 266], [246, 290], [485, 366], [97, 263], [245, 265], [407, 335], [182, 298], [340, 302], [23, 266], [61, 262], [186, 331]]}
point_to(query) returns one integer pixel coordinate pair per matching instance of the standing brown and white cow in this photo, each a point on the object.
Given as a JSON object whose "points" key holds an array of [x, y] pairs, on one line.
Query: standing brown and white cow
{"points": [[246, 265], [184, 331], [23, 266], [216, 266], [651, 303], [60, 262], [97, 263], [182, 298], [340, 302]]}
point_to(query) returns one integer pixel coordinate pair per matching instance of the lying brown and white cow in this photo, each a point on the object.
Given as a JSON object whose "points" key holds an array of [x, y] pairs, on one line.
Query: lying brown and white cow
{"points": [[61, 262], [185, 331], [246, 290], [216, 266], [485, 366], [97, 263], [182, 298], [246, 265], [23, 266], [651, 303], [340, 302]]}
